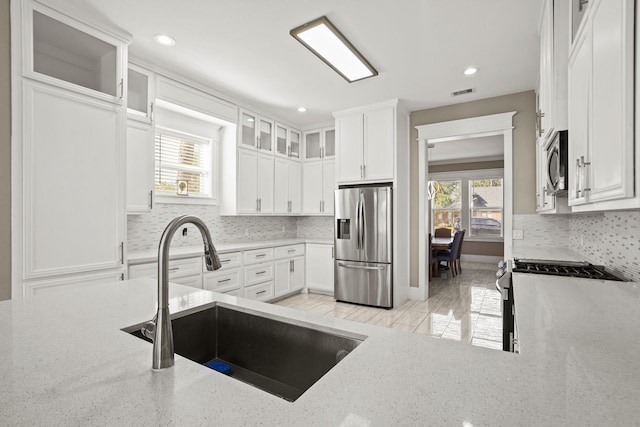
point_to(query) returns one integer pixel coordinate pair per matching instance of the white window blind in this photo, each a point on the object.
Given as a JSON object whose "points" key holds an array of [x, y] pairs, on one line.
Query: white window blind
{"points": [[182, 157]]}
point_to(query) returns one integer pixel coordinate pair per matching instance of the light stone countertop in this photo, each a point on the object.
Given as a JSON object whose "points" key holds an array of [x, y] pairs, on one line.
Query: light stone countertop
{"points": [[193, 251], [64, 361]]}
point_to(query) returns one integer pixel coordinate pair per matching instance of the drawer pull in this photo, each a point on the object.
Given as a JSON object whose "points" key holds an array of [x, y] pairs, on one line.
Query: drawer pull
{"points": [[224, 280], [261, 255], [174, 269], [261, 292], [225, 260], [291, 251], [261, 272]]}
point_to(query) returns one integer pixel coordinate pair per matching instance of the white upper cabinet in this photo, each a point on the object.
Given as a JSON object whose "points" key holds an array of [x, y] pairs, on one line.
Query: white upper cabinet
{"points": [[140, 166], [318, 187], [601, 82], [65, 52], [554, 52], [255, 182], [287, 189], [366, 144], [256, 132], [140, 93], [287, 142], [319, 144]]}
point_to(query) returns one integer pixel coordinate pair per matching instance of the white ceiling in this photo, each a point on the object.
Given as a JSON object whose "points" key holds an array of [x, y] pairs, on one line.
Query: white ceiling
{"points": [[420, 48]]}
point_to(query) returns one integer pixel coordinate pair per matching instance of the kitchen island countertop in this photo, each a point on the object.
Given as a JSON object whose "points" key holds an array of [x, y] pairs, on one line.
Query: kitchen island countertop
{"points": [[65, 361]]}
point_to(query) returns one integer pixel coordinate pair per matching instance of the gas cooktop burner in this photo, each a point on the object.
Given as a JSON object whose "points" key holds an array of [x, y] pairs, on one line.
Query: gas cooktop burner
{"points": [[563, 268]]}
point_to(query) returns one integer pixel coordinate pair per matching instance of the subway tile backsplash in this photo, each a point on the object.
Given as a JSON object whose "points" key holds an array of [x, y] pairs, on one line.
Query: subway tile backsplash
{"points": [[314, 227], [541, 230]]}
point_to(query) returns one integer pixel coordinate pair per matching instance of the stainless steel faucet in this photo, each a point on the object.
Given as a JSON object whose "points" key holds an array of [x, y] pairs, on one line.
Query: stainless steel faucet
{"points": [[159, 329]]}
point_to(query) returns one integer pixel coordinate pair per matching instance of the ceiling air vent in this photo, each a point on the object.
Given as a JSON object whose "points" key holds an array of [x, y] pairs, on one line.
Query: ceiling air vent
{"points": [[462, 92]]}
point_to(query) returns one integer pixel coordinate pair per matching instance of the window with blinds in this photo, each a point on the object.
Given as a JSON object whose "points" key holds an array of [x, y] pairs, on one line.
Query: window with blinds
{"points": [[182, 157]]}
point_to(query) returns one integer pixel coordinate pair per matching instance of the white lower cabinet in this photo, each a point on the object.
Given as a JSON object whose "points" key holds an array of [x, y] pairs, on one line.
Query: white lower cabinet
{"points": [[223, 282], [319, 267], [182, 271], [48, 287], [192, 281], [289, 275], [258, 273], [260, 292]]}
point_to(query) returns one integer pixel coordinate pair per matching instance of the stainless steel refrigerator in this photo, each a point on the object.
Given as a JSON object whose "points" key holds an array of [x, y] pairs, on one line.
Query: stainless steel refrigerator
{"points": [[363, 240]]}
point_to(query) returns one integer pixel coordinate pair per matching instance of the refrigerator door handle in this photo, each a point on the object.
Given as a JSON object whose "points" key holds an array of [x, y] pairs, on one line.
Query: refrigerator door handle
{"points": [[358, 224], [363, 224], [360, 267]]}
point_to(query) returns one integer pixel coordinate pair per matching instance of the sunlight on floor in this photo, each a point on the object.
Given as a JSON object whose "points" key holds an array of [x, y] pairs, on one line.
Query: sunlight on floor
{"points": [[466, 308]]}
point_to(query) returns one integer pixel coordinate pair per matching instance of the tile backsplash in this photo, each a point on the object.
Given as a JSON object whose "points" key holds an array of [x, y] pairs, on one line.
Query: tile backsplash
{"points": [[611, 239], [541, 230], [315, 227], [144, 231]]}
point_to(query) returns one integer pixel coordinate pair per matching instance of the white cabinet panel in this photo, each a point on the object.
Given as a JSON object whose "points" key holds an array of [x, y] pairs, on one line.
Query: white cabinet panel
{"points": [[281, 186], [288, 251], [350, 147], [258, 273], [229, 260], [379, 150], [319, 268], [247, 181], [265, 183], [282, 283], [68, 284], [295, 188], [297, 277], [258, 255], [260, 292], [191, 281], [73, 182], [140, 166], [223, 281], [312, 188], [328, 186]]}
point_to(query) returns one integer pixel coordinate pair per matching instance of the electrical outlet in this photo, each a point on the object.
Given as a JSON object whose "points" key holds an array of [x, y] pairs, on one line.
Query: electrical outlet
{"points": [[518, 234], [183, 236]]}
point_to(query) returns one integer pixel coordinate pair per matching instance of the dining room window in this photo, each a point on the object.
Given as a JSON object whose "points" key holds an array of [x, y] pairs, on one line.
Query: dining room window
{"points": [[471, 200]]}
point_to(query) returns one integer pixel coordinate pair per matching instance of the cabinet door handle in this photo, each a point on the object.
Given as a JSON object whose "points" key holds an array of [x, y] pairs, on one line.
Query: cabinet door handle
{"points": [[291, 266], [257, 142], [578, 191], [122, 253], [224, 280], [151, 199], [260, 204], [361, 174], [121, 89], [585, 173], [151, 111], [122, 277], [364, 171], [261, 292], [257, 205]]}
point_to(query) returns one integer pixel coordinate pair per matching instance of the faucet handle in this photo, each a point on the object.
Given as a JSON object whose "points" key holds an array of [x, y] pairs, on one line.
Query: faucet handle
{"points": [[149, 328], [211, 259]]}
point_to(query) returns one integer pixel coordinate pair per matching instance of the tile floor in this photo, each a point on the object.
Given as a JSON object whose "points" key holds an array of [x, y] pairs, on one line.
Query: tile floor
{"points": [[464, 308]]}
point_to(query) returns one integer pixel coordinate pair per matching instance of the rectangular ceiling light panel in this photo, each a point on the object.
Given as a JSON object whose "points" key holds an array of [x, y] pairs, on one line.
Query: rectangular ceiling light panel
{"points": [[324, 40]]}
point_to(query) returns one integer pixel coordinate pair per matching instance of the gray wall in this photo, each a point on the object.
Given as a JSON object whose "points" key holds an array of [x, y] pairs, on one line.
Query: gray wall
{"points": [[5, 151], [524, 156]]}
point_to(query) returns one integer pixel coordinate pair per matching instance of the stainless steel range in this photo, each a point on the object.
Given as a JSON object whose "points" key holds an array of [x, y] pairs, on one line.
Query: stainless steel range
{"points": [[562, 268]]}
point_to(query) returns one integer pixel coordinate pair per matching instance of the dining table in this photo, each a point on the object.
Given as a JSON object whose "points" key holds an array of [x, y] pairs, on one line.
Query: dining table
{"points": [[441, 243]]}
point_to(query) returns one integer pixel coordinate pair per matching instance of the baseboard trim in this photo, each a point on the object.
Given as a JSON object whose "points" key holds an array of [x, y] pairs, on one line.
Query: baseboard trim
{"points": [[488, 259]]}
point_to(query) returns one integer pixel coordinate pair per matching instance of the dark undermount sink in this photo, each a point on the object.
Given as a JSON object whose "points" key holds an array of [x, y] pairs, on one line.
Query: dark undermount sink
{"points": [[266, 351]]}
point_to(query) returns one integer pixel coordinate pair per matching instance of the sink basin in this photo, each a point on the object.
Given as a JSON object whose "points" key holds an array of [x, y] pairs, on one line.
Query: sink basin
{"points": [[266, 351]]}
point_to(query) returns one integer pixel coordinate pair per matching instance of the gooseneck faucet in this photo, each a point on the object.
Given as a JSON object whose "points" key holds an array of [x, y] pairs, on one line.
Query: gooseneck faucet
{"points": [[159, 329]]}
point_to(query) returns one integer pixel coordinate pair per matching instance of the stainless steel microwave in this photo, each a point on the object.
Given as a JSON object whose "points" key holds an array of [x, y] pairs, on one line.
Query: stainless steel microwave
{"points": [[557, 164]]}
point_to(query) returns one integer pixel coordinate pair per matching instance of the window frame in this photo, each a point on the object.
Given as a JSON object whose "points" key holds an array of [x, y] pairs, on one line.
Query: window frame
{"points": [[190, 123], [466, 177]]}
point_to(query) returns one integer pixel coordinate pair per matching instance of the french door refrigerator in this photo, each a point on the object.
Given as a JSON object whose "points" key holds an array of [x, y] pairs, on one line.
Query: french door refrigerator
{"points": [[363, 241]]}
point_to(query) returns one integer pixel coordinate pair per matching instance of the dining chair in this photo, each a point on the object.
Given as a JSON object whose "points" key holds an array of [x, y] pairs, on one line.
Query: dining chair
{"points": [[458, 264], [443, 232], [449, 256]]}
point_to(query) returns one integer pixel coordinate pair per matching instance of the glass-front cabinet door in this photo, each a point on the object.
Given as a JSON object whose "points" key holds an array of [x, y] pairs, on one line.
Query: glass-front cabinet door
{"points": [[64, 52], [312, 144], [265, 141], [329, 146], [247, 130], [294, 144], [281, 141], [140, 93]]}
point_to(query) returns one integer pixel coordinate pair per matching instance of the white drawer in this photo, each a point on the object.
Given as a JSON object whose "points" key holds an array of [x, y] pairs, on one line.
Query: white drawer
{"points": [[230, 260], [288, 251], [258, 255], [258, 273], [234, 292], [223, 281], [177, 268], [193, 281], [261, 292]]}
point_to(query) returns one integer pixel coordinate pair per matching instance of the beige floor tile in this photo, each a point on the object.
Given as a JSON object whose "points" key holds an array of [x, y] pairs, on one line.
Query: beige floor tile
{"points": [[402, 327], [363, 315], [411, 318]]}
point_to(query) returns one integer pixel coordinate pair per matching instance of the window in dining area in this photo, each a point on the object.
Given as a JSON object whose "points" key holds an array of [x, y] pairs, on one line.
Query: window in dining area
{"points": [[473, 201]]}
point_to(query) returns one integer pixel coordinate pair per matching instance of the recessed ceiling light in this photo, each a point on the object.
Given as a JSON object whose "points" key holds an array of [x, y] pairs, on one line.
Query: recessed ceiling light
{"points": [[164, 39], [328, 44], [302, 109], [470, 71]]}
